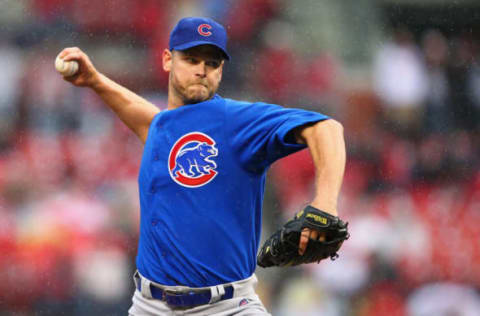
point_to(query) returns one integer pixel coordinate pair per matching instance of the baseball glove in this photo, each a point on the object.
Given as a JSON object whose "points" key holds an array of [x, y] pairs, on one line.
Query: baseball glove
{"points": [[281, 249]]}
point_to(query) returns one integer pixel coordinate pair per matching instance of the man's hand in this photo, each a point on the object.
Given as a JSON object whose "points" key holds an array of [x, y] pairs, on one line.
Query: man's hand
{"points": [[306, 235], [283, 247], [87, 75]]}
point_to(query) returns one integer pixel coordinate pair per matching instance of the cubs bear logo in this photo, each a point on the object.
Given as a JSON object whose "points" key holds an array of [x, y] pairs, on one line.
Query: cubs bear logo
{"points": [[189, 161]]}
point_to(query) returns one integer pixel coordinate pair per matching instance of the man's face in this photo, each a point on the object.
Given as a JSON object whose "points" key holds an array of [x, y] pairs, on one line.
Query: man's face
{"points": [[195, 74]]}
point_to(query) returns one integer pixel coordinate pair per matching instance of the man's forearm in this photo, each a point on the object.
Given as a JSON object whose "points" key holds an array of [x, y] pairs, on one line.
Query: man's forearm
{"points": [[327, 147], [136, 112]]}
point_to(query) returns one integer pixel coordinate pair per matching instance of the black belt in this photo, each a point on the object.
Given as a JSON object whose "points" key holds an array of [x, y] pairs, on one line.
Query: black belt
{"points": [[184, 298]]}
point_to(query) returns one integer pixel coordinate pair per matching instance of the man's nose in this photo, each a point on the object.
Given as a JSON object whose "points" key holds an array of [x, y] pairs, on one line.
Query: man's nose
{"points": [[201, 69]]}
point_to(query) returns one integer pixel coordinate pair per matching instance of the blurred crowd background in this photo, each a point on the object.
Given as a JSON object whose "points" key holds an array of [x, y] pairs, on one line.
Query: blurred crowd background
{"points": [[402, 76]]}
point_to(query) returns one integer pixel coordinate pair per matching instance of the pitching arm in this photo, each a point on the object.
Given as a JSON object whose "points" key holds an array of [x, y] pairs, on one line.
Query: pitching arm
{"points": [[136, 112]]}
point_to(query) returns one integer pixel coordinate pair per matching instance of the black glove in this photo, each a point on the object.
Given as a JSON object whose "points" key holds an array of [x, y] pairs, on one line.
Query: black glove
{"points": [[281, 249]]}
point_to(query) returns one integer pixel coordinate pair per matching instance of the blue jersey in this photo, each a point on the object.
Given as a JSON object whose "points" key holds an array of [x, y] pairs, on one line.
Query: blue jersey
{"points": [[201, 187]]}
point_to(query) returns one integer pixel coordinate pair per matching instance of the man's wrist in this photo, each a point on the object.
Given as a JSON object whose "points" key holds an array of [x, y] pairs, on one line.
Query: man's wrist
{"points": [[97, 83], [330, 208]]}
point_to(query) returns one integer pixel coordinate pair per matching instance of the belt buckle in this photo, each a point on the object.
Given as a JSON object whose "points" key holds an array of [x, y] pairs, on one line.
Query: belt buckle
{"points": [[176, 298], [174, 293], [165, 293]]}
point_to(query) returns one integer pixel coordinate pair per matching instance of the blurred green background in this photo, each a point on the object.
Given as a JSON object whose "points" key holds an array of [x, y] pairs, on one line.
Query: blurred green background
{"points": [[402, 76]]}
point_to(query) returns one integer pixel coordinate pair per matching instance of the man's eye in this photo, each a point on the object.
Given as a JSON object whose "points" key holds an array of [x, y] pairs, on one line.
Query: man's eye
{"points": [[214, 64], [191, 60]]}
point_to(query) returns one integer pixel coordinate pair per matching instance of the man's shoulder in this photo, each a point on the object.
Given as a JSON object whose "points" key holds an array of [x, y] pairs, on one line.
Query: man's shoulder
{"points": [[242, 104], [233, 102]]}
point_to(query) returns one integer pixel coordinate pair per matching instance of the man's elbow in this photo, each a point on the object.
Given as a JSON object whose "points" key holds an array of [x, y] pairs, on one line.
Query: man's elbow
{"points": [[330, 128], [332, 125]]}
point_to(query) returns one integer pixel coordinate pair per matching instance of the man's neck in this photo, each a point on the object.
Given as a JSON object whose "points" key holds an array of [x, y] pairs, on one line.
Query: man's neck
{"points": [[175, 101]]}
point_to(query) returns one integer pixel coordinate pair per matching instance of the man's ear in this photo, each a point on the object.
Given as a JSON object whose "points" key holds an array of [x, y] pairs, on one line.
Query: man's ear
{"points": [[167, 59], [221, 68]]}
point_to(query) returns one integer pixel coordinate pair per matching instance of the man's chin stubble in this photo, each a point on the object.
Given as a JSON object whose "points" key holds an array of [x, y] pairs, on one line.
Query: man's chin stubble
{"points": [[197, 99]]}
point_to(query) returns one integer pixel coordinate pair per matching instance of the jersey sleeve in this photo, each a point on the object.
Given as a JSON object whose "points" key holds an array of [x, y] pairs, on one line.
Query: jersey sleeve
{"points": [[260, 132]]}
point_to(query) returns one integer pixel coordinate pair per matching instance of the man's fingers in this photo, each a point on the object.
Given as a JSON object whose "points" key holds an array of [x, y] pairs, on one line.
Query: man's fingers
{"points": [[306, 235], [69, 50], [63, 53], [309, 234], [72, 56], [322, 237], [303, 241], [71, 53]]}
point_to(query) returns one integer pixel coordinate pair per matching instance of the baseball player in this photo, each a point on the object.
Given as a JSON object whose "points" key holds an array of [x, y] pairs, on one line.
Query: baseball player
{"points": [[202, 176]]}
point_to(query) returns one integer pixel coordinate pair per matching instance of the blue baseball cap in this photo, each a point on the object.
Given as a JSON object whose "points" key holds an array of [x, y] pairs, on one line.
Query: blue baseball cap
{"points": [[195, 31]]}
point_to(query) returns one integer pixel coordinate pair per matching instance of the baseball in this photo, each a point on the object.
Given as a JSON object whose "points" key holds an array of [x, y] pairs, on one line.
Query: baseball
{"points": [[66, 68]]}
